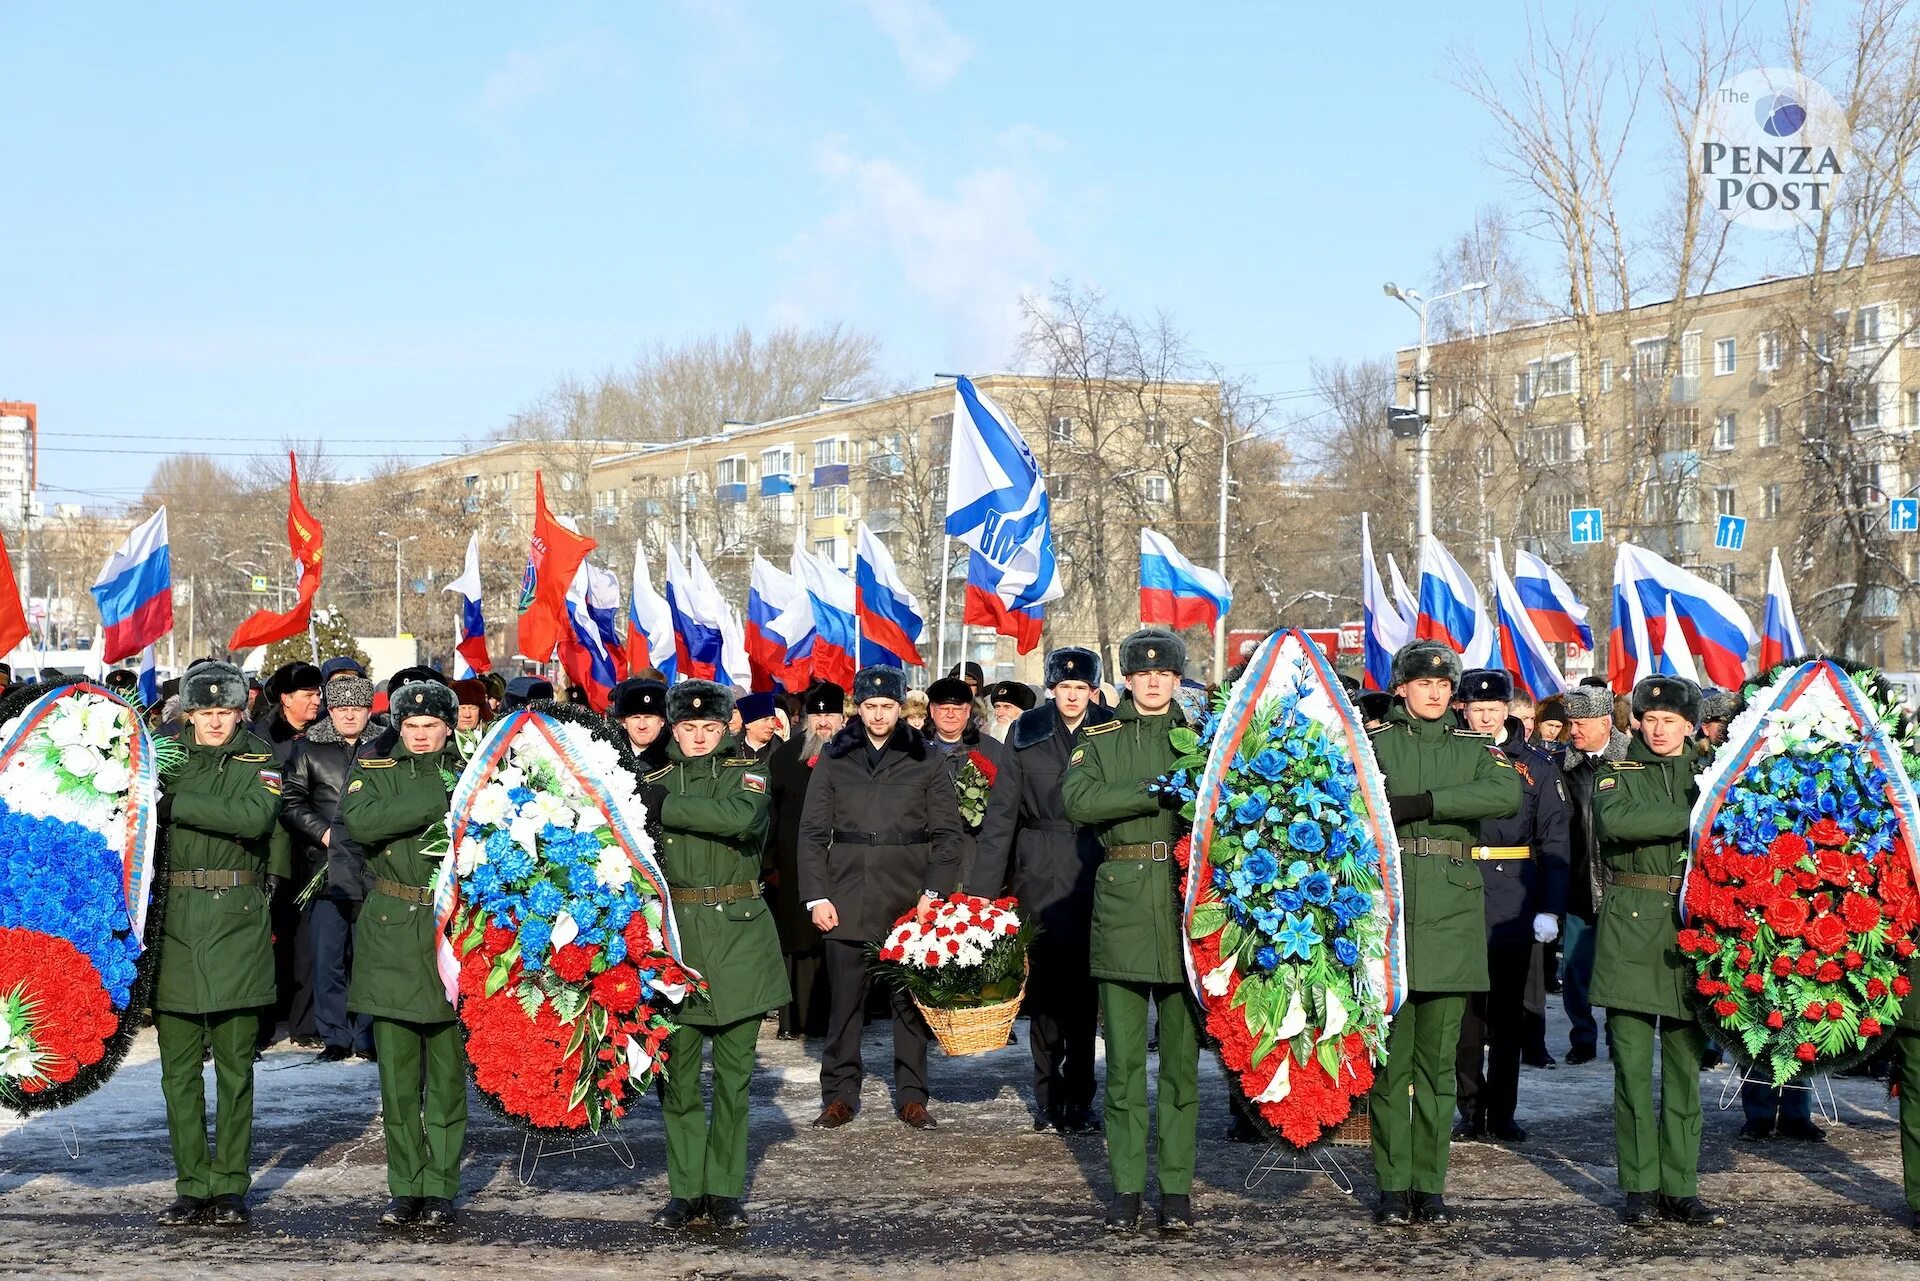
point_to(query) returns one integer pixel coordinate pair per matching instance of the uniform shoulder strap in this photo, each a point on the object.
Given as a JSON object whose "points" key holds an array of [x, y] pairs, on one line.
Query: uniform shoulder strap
{"points": [[253, 758], [657, 775], [376, 762], [1094, 731]]}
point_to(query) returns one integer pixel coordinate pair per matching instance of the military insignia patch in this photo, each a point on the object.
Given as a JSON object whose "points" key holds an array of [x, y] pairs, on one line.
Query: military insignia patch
{"points": [[356, 784], [1526, 775], [271, 777], [753, 782], [1079, 754], [1606, 785], [1500, 757]]}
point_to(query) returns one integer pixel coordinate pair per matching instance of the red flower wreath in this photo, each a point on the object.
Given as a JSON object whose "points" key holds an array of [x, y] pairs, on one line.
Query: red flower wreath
{"points": [[72, 1017]]}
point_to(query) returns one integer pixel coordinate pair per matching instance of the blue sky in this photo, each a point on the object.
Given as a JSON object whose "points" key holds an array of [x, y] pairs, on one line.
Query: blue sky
{"points": [[397, 223]]}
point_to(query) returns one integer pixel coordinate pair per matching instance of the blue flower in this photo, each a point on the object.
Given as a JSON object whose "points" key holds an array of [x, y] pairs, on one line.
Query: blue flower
{"points": [[544, 901], [1269, 765], [1345, 952], [1267, 959], [1298, 938], [1306, 836], [1251, 811], [1318, 888], [1219, 878], [1297, 869], [1267, 922], [1261, 867], [1349, 904]]}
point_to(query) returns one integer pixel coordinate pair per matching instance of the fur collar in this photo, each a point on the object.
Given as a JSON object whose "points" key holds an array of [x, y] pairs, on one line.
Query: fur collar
{"points": [[905, 739], [1040, 724]]}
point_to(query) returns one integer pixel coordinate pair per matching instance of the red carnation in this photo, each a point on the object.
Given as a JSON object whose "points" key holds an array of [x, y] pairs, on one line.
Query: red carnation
{"points": [[1829, 972], [1787, 850], [1853, 960], [1823, 902], [1705, 986], [1690, 941], [1805, 1052], [1827, 933], [1861, 913], [1783, 965], [1904, 947], [1832, 866], [1776, 1020], [638, 936], [1835, 1010], [1725, 1009], [572, 962], [617, 990], [1744, 957], [1876, 988], [1814, 1012], [1826, 832], [933, 958], [1753, 982], [985, 766], [1869, 1027], [1902, 985], [1807, 964], [1787, 917]]}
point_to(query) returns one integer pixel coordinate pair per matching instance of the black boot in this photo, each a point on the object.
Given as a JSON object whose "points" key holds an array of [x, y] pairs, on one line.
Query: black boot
{"points": [[1124, 1214], [184, 1212], [727, 1214], [1690, 1211], [1079, 1119], [400, 1211], [676, 1214], [1637, 1210], [1431, 1207], [1394, 1210], [436, 1213], [1176, 1212], [229, 1211]]}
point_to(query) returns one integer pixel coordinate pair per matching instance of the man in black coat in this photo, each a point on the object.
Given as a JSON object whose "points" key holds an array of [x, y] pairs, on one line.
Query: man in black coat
{"points": [[1051, 863], [315, 778], [759, 726], [1526, 893], [1592, 741], [954, 736], [290, 704], [638, 708], [790, 768], [879, 837]]}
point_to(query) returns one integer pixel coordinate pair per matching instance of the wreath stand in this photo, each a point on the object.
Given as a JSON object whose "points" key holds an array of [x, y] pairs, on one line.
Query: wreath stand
{"points": [[1820, 1085], [1284, 1158], [534, 1148], [64, 1129]]}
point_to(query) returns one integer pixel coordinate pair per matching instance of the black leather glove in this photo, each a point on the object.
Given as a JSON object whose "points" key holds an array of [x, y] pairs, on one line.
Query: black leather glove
{"points": [[163, 809], [1410, 808], [1170, 799], [654, 797], [273, 884]]}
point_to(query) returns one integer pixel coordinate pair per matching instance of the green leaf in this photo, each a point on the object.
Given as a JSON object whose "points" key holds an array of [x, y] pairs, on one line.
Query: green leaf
{"points": [[1184, 740], [1208, 919], [581, 1087], [568, 1002], [1328, 1053], [1231, 938], [497, 976], [529, 997], [1263, 1047], [599, 1020]]}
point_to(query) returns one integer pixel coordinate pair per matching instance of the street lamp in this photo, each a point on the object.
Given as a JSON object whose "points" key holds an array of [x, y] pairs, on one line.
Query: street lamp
{"points": [[398, 543], [1227, 441], [1422, 395]]}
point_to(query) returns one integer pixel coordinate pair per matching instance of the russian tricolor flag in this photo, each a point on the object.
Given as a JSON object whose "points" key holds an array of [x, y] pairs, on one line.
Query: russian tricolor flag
{"points": [[1175, 592], [470, 642], [1451, 609], [830, 593], [891, 624], [1557, 616], [1716, 629], [697, 640], [1780, 639], [649, 621], [135, 591], [984, 606], [779, 629], [1523, 651], [1383, 629], [589, 649]]}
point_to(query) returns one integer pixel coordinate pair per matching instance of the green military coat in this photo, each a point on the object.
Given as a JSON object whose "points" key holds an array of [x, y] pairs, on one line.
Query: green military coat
{"points": [[713, 822], [1136, 905], [216, 946], [389, 807], [1444, 898], [1642, 808]]}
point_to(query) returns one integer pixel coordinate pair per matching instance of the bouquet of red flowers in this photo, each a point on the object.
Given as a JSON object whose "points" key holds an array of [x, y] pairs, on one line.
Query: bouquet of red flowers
{"points": [[964, 962], [1801, 897], [973, 784]]}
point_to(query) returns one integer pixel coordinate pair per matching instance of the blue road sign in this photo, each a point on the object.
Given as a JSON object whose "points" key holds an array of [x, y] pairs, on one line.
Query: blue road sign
{"points": [[1903, 515], [1586, 525], [1730, 535]]}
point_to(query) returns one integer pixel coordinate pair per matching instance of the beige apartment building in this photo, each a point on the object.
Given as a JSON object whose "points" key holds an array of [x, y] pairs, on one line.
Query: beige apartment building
{"points": [[1790, 403]]}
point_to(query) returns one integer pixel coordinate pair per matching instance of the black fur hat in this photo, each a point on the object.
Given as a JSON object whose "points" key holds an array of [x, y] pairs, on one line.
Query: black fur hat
{"points": [[1152, 649], [950, 690], [1718, 704], [1417, 660], [1019, 693], [697, 700], [638, 698], [824, 697], [1071, 663], [1486, 685], [1674, 694], [880, 682], [423, 698], [1374, 705], [213, 685]]}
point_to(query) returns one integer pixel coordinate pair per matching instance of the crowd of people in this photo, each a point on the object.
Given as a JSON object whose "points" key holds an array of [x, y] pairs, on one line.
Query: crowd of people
{"points": [[1541, 848]]}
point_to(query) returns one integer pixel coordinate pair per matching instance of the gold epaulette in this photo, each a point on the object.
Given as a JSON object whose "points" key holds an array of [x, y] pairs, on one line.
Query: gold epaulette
{"points": [[739, 762], [1626, 765], [1104, 727], [376, 762], [253, 757], [662, 772]]}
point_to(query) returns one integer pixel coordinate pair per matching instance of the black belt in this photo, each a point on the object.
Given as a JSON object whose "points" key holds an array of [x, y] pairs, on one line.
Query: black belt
{"points": [[841, 837], [1050, 825]]}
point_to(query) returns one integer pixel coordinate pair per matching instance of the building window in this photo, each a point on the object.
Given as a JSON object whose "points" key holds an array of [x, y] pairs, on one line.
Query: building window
{"points": [[1060, 430], [1650, 359], [1866, 326], [730, 471], [829, 452], [1867, 405], [1682, 431], [1555, 509], [1157, 489], [1557, 378], [831, 501], [777, 461], [1723, 500], [1913, 407], [831, 550], [1725, 431], [1772, 505], [1690, 354], [1769, 351], [1154, 431], [1725, 356], [1770, 425], [1606, 375], [1523, 384], [1866, 485]]}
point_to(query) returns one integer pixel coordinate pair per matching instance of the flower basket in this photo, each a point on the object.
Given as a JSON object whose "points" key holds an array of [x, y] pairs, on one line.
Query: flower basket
{"points": [[1354, 1132], [974, 1029]]}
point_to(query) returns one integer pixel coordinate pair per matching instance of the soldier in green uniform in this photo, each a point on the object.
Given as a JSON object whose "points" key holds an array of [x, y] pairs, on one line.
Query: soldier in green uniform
{"points": [[713, 806], [395, 808], [1136, 941], [226, 851], [1641, 812], [1442, 781], [1906, 1054]]}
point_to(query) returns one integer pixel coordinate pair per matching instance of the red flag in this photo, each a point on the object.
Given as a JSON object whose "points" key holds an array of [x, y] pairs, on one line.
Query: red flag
{"points": [[304, 538], [13, 617], [552, 560]]}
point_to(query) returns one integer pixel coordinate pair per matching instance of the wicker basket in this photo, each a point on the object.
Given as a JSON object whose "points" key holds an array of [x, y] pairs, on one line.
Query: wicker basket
{"points": [[974, 1029], [1356, 1131]]}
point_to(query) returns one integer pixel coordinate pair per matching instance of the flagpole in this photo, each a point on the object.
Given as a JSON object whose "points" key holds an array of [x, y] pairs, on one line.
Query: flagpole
{"points": [[946, 578]]}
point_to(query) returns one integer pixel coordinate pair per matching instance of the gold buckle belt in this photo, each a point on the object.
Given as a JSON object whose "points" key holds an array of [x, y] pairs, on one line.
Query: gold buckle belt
{"points": [[1501, 851], [1151, 851], [420, 894], [714, 895], [1639, 881], [204, 878]]}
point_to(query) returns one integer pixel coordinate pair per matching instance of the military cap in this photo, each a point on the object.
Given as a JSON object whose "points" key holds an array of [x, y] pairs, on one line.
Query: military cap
{"points": [[408, 675], [1588, 702], [522, 690], [1374, 705], [1424, 659], [1019, 693], [824, 698], [1071, 663], [880, 682], [341, 663], [969, 671], [696, 700], [1486, 685], [1674, 694], [754, 707], [1152, 649], [949, 690], [633, 697], [1718, 704], [423, 698], [211, 685]]}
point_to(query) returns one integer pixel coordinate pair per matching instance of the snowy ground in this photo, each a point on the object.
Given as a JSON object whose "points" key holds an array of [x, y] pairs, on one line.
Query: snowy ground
{"points": [[876, 1199]]}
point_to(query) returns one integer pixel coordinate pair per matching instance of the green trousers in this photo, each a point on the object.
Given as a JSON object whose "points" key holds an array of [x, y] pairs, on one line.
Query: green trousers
{"points": [[1658, 1150], [1123, 1008], [184, 1038], [423, 1105], [1411, 1103], [1906, 1049], [708, 1157]]}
